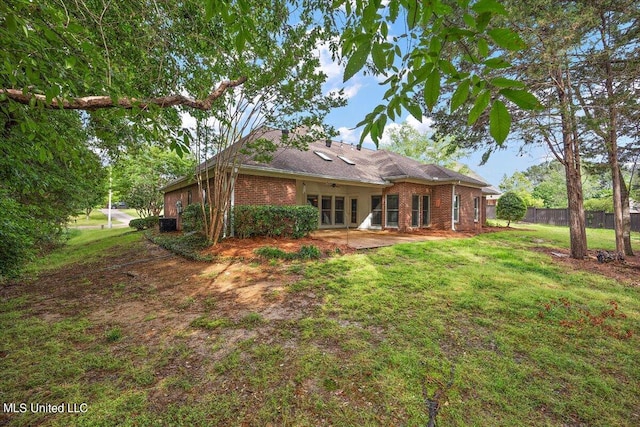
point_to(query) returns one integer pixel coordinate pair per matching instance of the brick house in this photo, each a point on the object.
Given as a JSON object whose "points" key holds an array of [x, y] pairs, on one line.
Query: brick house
{"points": [[367, 189]]}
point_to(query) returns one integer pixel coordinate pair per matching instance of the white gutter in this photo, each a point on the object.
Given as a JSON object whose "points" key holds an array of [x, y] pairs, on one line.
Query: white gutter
{"points": [[453, 208], [233, 203]]}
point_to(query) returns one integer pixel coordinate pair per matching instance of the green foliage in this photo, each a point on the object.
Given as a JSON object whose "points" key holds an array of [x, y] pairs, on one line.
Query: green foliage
{"points": [[46, 181], [510, 207], [274, 221], [113, 335], [16, 235], [192, 219], [305, 252], [435, 149], [187, 245], [459, 46], [144, 223], [139, 177], [602, 204], [309, 252]]}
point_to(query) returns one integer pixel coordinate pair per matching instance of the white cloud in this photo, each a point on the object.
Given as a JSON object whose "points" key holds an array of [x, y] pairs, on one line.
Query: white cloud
{"points": [[422, 127], [352, 136], [328, 66]]}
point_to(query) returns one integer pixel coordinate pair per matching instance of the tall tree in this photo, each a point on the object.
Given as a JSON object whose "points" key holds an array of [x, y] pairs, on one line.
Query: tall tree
{"points": [[42, 182], [607, 88], [283, 92], [139, 177], [427, 148]]}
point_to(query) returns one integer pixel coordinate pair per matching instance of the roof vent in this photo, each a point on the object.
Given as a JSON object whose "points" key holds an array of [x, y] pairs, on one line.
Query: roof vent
{"points": [[322, 156], [328, 143], [359, 147]]}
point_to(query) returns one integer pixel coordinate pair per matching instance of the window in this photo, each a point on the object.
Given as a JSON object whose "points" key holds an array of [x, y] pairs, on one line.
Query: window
{"points": [[393, 205], [326, 210], [312, 201], [339, 212], [476, 209], [189, 197], [415, 210], [456, 208], [376, 210], [354, 211], [426, 215]]}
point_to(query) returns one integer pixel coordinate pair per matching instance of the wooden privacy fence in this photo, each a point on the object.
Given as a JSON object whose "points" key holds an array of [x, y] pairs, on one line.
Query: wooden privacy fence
{"points": [[595, 219]]}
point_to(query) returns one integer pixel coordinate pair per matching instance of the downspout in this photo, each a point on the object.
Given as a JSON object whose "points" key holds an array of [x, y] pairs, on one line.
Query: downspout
{"points": [[453, 208], [233, 201]]}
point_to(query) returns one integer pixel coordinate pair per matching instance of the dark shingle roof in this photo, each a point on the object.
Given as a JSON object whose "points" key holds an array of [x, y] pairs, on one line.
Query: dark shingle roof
{"points": [[376, 167]]}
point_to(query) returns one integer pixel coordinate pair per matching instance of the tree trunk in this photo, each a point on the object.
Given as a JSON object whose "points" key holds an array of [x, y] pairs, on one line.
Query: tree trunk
{"points": [[571, 162], [612, 149], [626, 217]]}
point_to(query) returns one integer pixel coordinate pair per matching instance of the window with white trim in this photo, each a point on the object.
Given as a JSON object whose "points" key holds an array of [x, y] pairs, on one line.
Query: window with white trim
{"points": [[456, 208], [326, 210], [476, 209], [339, 210], [415, 210], [393, 210], [426, 214]]}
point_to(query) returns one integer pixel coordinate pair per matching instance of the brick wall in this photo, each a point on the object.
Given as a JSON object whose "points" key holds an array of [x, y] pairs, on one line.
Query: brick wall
{"points": [[405, 191], [467, 196], [262, 190], [441, 207]]}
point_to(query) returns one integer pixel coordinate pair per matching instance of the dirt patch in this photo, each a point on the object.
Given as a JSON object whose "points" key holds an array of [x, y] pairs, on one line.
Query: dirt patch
{"points": [[626, 272]]}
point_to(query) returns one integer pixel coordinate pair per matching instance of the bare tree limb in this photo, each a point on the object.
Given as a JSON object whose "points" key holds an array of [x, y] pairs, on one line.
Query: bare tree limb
{"points": [[90, 103]]}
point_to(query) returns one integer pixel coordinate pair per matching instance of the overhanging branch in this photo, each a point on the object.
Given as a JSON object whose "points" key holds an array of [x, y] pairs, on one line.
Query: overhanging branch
{"points": [[98, 102]]}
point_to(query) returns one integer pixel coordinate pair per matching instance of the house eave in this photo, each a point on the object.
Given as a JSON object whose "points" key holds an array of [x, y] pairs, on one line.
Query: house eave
{"points": [[433, 181], [266, 171], [279, 173]]}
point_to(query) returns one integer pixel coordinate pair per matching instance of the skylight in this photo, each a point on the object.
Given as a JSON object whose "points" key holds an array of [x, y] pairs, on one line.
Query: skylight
{"points": [[323, 156], [347, 160]]}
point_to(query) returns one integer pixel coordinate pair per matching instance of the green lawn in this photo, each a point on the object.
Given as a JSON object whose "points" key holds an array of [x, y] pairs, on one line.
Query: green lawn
{"points": [[97, 218], [493, 330]]}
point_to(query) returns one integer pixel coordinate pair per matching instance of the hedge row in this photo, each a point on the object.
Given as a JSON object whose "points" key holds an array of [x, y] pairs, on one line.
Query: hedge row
{"points": [[142, 223], [261, 220], [274, 221]]}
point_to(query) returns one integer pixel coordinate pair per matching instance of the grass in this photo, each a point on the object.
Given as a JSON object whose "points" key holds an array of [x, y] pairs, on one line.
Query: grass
{"points": [[97, 218], [492, 330], [85, 246]]}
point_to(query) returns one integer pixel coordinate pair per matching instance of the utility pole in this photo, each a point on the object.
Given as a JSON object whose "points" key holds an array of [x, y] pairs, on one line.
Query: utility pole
{"points": [[109, 225]]}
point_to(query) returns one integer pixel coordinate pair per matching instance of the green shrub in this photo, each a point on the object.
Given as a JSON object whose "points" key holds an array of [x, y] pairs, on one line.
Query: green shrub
{"points": [[17, 234], [510, 207], [192, 219], [305, 252], [274, 221], [309, 252], [143, 223]]}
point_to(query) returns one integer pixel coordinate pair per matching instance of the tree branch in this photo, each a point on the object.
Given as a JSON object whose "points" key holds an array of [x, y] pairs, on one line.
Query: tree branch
{"points": [[90, 103]]}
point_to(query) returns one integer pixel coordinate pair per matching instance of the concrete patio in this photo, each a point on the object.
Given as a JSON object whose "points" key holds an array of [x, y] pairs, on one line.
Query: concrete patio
{"points": [[368, 239]]}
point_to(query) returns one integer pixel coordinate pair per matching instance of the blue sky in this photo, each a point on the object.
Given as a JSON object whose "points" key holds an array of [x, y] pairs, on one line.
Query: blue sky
{"points": [[364, 93]]}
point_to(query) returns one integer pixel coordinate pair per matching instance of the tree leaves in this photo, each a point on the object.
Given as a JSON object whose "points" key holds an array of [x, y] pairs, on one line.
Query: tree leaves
{"points": [[522, 98], [460, 95], [432, 89], [499, 122], [507, 39], [357, 60], [445, 49]]}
